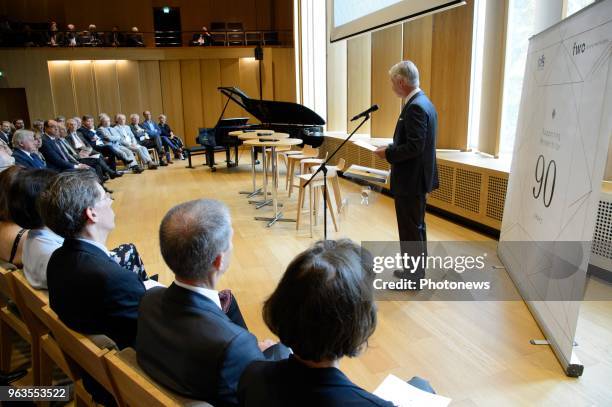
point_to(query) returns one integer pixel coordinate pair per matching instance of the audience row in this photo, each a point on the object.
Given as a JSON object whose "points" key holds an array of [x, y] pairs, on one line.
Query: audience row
{"points": [[17, 35], [189, 336], [76, 143]]}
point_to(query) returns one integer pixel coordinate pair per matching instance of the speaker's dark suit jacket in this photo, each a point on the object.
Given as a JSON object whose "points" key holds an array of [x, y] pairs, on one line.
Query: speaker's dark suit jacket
{"points": [[92, 294], [188, 344], [413, 153], [290, 383], [54, 157], [28, 161]]}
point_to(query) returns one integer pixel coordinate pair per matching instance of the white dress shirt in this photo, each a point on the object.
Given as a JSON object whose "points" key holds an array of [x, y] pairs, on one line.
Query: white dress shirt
{"points": [[37, 250], [411, 94], [211, 294], [78, 144]]}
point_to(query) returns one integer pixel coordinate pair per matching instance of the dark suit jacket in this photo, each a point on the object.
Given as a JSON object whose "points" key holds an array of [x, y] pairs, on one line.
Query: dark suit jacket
{"points": [[188, 344], [88, 135], [53, 156], [92, 294], [290, 383], [413, 153], [28, 161]]}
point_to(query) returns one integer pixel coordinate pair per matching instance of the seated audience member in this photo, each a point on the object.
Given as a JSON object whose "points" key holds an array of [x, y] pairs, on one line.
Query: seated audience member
{"points": [[12, 235], [128, 140], [115, 38], [91, 37], [88, 290], [134, 38], [55, 155], [168, 137], [323, 309], [53, 36], [18, 124], [37, 126], [70, 37], [38, 144], [149, 141], [61, 120], [185, 340], [5, 133], [81, 147], [24, 150], [201, 39], [29, 37], [153, 130], [41, 241], [6, 157], [112, 138], [98, 164], [89, 133]]}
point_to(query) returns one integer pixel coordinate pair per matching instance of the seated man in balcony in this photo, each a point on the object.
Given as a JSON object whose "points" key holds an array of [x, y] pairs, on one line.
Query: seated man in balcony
{"points": [[201, 39], [134, 39], [69, 37], [91, 37], [115, 38]]}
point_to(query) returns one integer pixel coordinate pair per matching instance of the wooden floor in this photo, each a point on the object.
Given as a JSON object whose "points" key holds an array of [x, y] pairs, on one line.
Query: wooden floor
{"points": [[476, 353]]}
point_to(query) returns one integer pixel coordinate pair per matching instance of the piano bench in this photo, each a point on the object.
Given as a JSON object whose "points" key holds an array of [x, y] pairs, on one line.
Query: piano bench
{"points": [[198, 150]]}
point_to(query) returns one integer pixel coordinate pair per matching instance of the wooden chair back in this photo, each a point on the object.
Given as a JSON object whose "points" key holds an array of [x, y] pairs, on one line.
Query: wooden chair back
{"points": [[136, 388]]}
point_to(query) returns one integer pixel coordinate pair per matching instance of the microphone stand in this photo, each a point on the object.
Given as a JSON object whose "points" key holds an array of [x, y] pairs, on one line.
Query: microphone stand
{"points": [[323, 169]]}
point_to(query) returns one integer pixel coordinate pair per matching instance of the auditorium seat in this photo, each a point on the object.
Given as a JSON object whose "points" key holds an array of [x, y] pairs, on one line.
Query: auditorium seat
{"points": [[137, 389]]}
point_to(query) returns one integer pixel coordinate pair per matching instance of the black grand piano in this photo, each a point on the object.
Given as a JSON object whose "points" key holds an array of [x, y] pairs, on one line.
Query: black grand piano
{"points": [[286, 117]]}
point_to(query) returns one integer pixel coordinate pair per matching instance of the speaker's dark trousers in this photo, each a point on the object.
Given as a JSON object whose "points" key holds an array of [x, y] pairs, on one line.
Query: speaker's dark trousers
{"points": [[410, 212]]}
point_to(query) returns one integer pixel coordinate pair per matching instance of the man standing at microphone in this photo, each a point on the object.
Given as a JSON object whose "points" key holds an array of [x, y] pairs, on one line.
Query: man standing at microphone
{"points": [[412, 156]]}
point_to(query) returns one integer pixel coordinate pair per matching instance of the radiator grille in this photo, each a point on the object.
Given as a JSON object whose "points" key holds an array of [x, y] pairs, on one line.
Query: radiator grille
{"points": [[496, 197], [467, 190]]}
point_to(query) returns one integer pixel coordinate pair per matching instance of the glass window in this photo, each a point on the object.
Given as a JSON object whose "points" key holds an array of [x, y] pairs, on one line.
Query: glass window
{"points": [[576, 5], [521, 19]]}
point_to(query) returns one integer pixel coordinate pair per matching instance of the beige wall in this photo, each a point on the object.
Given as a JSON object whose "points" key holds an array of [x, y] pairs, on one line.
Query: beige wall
{"points": [[440, 45], [182, 83]]}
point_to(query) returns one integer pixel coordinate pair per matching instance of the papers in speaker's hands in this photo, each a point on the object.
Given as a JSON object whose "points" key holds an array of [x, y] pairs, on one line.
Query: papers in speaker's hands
{"points": [[402, 394], [374, 143]]}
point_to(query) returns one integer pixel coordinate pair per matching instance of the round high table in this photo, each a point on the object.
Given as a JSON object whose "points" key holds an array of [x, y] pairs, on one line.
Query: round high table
{"points": [[250, 135], [272, 143]]}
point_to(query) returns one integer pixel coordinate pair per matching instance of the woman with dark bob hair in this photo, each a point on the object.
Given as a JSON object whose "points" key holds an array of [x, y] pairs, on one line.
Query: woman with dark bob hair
{"points": [[323, 309]]}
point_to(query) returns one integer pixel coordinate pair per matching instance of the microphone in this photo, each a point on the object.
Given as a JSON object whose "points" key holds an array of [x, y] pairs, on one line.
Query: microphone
{"points": [[373, 108]]}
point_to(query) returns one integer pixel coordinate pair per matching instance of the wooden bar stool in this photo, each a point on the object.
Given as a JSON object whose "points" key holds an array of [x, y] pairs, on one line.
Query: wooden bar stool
{"points": [[307, 152], [334, 181], [313, 195]]}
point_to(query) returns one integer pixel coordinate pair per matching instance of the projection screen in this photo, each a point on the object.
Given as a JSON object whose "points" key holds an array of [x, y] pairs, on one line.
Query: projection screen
{"points": [[353, 17]]}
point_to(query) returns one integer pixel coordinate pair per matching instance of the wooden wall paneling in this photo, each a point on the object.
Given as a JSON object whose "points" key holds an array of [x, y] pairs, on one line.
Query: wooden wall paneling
{"points": [[63, 100], [359, 59], [107, 86], [418, 36], [230, 76], [210, 75], [191, 84], [336, 86], [267, 73], [451, 70], [172, 95], [249, 79], [283, 72], [84, 88], [386, 51], [128, 79], [150, 87], [34, 77]]}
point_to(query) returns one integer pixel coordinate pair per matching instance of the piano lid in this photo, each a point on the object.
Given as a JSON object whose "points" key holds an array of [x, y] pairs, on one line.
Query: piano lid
{"points": [[273, 112]]}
